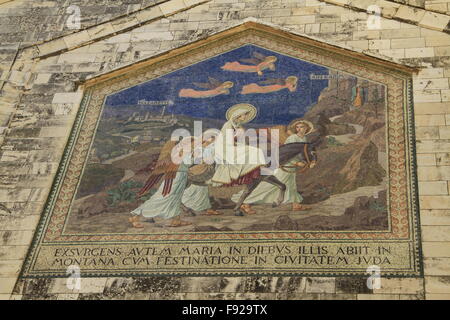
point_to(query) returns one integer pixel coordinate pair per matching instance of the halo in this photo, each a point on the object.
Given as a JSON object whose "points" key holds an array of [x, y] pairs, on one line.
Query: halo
{"points": [[296, 121], [242, 108]]}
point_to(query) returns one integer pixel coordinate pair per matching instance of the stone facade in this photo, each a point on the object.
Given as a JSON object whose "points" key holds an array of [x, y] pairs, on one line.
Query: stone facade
{"points": [[42, 63]]}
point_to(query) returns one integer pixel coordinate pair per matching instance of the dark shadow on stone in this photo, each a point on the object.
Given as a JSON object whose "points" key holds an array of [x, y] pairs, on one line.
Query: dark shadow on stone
{"points": [[156, 284], [352, 285]]}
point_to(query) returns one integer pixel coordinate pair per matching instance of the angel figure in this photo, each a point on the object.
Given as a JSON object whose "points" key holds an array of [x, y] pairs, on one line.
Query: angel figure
{"points": [[258, 64], [271, 85], [266, 193], [196, 196], [166, 202], [214, 88]]}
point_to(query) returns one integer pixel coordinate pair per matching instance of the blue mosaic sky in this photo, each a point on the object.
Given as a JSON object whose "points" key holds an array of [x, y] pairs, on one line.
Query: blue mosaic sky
{"points": [[276, 107]]}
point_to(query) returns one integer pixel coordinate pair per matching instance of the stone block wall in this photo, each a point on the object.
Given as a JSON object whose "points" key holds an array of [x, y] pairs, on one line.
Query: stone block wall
{"points": [[41, 64], [441, 6]]}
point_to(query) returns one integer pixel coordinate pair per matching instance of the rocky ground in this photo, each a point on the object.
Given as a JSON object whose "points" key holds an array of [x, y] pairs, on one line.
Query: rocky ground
{"points": [[266, 218]]}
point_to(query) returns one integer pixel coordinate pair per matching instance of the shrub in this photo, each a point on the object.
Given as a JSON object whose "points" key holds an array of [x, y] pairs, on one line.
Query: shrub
{"points": [[125, 192], [332, 142]]}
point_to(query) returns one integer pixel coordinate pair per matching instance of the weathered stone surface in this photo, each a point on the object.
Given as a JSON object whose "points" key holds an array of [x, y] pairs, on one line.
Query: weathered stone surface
{"points": [[30, 118]]}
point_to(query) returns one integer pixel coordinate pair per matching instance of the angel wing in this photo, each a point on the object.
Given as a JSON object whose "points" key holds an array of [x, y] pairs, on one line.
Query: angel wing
{"points": [[259, 56], [252, 61], [283, 133], [257, 59], [206, 85], [272, 81], [164, 168], [214, 81], [212, 84]]}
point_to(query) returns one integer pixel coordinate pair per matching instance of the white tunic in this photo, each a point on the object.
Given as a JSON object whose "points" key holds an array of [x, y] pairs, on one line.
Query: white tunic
{"points": [[197, 197]]}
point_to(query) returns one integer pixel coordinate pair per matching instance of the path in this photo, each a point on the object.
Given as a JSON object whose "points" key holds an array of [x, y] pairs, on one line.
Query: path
{"points": [[334, 206], [110, 161], [346, 138]]}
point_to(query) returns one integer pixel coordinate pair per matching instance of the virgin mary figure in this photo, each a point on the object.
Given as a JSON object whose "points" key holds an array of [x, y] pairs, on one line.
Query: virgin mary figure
{"points": [[237, 162]]}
